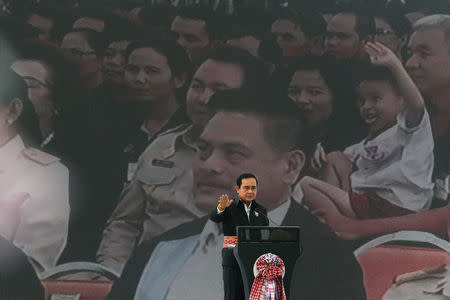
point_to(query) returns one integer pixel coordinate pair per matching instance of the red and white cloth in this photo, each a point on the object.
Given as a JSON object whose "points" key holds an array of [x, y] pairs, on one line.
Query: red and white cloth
{"points": [[268, 283]]}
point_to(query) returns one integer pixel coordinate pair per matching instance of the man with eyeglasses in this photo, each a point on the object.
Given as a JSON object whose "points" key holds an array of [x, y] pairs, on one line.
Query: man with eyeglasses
{"points": [[85, 47], [393, 32]]}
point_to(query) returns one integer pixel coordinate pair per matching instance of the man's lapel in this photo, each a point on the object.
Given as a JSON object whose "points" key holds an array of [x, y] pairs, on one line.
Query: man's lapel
{"points": [[293, 214]]}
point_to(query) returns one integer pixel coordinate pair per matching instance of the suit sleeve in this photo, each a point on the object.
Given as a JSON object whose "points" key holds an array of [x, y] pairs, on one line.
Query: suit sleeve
{"points": [[216, 217]]}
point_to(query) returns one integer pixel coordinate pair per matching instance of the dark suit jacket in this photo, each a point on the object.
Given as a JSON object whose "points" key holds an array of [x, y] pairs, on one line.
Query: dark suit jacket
{"points": [[326, 270], [235, 215]]}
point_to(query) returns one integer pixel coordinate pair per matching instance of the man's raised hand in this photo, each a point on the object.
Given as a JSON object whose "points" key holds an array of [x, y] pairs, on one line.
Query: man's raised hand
{"points": [[224, 202]]}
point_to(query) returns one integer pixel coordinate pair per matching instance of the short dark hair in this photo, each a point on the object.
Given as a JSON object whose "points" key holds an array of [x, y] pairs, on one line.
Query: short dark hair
{"points": [[255, 73], [177, 57], [285, 127], [369, 72], [202, 13], [245, 176], [312, 23]]}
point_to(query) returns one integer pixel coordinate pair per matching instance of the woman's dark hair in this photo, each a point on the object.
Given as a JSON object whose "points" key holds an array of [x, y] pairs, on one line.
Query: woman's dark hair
{"points": [[345, 115], [68, 93], [27, 125]]}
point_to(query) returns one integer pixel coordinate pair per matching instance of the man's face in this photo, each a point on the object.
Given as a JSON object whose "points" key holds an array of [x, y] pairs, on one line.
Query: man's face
{"points": [[114, 62], [148, 76], [310, 92], [290, 38], [211, 76], [44, 25], [247, 190], [429, 60], [386, 36], [191, 35], [232, 144], [76, 46], [89, 23], [342, 40]]}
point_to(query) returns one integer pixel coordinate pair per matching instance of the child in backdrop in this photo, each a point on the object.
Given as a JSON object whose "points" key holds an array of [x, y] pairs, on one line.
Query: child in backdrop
{"points": [[393, 165]]}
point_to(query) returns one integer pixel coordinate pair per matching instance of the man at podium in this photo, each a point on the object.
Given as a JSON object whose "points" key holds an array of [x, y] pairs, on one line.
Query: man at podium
{"points": [[243, 210]]}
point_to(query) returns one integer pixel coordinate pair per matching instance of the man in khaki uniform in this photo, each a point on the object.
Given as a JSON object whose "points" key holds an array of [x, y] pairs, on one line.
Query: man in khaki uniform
{"points": [[160, 195]]}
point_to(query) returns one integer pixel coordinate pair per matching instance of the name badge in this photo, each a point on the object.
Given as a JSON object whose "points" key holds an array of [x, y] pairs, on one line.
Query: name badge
{"points": [[162, 163]]}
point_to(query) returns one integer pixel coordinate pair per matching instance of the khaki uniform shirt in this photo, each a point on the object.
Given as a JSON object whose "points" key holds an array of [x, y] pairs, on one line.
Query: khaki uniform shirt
{"points": [[158, 198], [43, 182]]}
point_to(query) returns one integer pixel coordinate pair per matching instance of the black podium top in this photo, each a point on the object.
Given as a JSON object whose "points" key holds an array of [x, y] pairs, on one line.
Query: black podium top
{"points": [[265, 234]]}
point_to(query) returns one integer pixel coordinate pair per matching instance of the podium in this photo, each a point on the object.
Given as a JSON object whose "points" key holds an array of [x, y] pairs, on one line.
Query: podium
{"points": [[254, 241]]}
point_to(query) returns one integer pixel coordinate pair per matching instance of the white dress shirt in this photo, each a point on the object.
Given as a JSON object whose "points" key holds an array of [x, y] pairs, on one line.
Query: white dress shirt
{"points": [[397, 165], [44, 216]]}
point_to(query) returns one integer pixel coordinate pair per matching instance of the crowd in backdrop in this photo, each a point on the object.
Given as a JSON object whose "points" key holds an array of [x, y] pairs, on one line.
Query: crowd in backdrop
{"points": [[121, 125]]}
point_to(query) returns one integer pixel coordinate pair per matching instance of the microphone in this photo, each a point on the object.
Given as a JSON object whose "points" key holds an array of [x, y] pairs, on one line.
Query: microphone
{"points": [[260, 212]]}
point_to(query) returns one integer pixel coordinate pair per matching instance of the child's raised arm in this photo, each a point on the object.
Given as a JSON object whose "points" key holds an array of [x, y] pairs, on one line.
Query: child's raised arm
{"points": [[414, 105]]}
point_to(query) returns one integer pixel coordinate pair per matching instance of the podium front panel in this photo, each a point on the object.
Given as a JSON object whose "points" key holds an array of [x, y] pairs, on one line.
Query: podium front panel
{"points": [[254, 241]]}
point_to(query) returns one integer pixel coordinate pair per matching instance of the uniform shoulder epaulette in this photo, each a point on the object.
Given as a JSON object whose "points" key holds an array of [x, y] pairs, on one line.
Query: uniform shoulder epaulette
{"points": [[39, 156]]}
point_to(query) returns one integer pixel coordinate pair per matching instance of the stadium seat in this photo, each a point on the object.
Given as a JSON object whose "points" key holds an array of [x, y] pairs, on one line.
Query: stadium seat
{"points": [[381, 263]]}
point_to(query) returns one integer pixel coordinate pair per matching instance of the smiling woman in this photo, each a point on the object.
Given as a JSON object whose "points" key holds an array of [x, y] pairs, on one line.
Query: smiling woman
{"points": [[327, 100]]}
